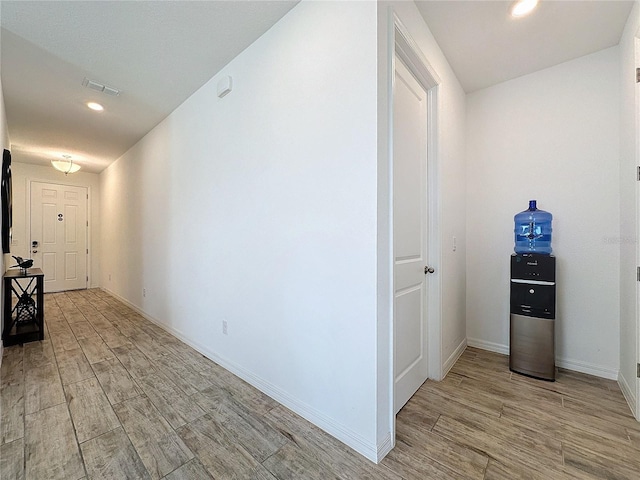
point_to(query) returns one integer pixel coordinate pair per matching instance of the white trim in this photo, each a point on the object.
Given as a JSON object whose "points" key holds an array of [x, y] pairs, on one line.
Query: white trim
{"points": [[628, 393], [569, 364], [329, 425], [400, 42], [489, 346], [385, 447], [453, 358], [588, 368], [408, 50]]}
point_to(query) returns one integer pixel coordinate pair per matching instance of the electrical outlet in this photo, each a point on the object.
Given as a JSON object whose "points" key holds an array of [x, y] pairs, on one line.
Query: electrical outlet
{"points": [[224, 327], [144, 292]]}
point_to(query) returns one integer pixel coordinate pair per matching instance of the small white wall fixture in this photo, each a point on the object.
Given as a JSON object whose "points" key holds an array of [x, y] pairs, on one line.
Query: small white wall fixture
{"points": [[407, 49]]}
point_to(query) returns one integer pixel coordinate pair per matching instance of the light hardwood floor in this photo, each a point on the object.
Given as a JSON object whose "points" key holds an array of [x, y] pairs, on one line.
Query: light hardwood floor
{"points": [[108, 394]]}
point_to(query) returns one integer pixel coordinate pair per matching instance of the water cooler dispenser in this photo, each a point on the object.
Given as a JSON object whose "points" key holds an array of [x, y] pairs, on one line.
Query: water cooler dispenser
{"points": [[533, 296], [533, 315]]}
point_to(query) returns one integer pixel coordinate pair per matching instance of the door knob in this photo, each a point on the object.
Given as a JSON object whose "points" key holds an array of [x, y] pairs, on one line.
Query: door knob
{"points": [[428, 269]]}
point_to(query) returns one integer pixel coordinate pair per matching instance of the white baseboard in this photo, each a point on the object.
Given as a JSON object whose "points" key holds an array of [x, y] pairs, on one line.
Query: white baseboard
{"points": [[569, 364], [490, 346], [333, 428], [453, 358], [385, 447], [588, 368], [629, 394]]}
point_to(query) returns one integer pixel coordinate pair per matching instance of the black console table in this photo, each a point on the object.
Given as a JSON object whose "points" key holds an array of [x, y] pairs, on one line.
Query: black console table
{"points": [[23, 318]]}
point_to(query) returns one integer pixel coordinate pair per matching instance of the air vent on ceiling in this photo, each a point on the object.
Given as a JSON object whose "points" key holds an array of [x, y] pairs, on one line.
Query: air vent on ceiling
{"points": [[100, 87]]}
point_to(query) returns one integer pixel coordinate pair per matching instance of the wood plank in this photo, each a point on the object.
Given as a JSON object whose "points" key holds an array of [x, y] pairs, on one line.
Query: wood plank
{"points": [[115, 381], [38, 353], [326, 449], [43, 388], [551, 421], [63, 340], [12, 460], [12, 369], [500, 448], [136, 363], [405, 461], [113, 338], [73, 366], [171, 402], [95, 349], [216, 449], [112, 456], [11, 412], [83, 329], [192, 470], [157, 444], [90, 409], [458, 458], [241, 391], [597, 466], [257, 436], [292, 463], [182, 375], [45, 458], [12, 385]]}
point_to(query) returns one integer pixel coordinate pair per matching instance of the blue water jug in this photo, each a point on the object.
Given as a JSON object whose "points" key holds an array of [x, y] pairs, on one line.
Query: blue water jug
{"points": [[533, 230]]}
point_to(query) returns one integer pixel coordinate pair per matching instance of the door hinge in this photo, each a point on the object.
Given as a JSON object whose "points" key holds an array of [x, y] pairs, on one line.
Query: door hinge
{"points": [[638, 273], [638, 370], [639, 174], [637, 75], [638, 179], [87, 250]]}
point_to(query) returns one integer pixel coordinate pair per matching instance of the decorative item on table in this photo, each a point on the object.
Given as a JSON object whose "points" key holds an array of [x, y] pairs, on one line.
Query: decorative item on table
{"points": [[24, 264]]}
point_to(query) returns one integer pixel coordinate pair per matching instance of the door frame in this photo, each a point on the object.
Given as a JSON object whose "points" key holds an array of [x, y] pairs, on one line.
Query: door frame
{"points": [[27, 226], [636, 41], [400, 42]]}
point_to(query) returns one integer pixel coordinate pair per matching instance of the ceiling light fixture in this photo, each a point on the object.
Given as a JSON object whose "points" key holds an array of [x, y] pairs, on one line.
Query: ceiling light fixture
{"points": [[95, 106], [65, 166], [523, 7]]}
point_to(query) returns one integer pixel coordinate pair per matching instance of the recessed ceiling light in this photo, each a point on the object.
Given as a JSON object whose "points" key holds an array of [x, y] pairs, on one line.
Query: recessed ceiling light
{"points": [[95, 106], [523, 7]]}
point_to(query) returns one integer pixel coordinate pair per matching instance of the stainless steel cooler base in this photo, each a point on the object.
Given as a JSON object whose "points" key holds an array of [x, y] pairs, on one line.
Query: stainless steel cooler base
{"points": [[532, 346]]}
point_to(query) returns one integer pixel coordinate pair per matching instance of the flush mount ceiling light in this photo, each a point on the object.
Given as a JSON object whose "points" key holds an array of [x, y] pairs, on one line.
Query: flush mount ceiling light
{"points": [[95, 106], [65, 166], [523, 7]]}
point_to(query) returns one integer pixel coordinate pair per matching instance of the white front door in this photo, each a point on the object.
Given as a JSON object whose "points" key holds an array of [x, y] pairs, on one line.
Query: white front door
{"points": [[59, 235], [409, 233]]}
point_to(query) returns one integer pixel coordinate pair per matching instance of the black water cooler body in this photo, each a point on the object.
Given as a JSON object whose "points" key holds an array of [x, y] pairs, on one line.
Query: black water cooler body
{"points": [[533, 315]]}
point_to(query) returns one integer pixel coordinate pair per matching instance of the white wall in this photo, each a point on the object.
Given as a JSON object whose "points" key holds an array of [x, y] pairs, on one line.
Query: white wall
{"points": [[551, 136], [628, 209], [260, 209], [23, 173], [449, 341]]}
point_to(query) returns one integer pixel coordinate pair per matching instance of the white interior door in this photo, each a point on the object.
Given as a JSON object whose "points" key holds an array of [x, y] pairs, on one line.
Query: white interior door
{"points": [[409, 233], [59, 235]]}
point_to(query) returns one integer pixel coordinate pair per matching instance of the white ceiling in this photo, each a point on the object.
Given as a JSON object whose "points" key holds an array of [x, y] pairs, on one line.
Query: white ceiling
{"points": [[156, 52], [486, 46], [159, 52]]}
